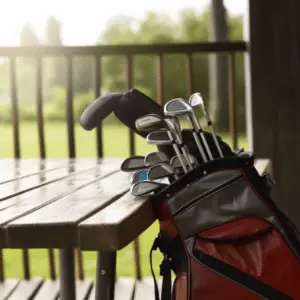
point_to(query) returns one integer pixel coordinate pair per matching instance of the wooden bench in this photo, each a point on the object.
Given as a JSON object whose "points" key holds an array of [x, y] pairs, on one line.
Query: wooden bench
{"points": [[67, 205]]}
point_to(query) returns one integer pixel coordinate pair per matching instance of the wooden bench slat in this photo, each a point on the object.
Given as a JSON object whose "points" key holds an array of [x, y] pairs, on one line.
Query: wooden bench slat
{"points": [[26, 289], [21, 205], [144, 289], [7, 287], [25, 184], [83, 289], [124, 289], [116, 225], [48, 291], [55, 225]]}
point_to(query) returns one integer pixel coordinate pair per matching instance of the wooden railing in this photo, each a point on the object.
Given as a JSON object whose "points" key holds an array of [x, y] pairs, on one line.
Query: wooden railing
{"points": [[98, 52]]}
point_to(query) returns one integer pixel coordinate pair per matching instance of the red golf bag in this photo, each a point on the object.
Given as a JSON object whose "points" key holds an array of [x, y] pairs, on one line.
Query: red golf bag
{"points": [[224, 237]]}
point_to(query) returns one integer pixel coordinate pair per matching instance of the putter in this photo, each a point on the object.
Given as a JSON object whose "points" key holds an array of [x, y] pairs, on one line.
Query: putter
{"points": [[139, 176], [161, 170], [154, 158], [145, 188], [152, 122], [177, 107], [133, 163], [197, 100]]}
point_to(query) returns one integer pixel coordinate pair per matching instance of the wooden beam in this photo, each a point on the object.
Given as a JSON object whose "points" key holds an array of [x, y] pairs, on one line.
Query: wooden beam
{"points": [[275, 68]]}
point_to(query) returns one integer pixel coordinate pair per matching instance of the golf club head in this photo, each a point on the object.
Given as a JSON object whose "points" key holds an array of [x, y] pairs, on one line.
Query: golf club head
{"points": [[173, 128], [99, 109], [149, 122], [160, 170], [155, 158], [133, 163], [158, 138], [175, 162], [197, 100], [139, 176], [177, 107], [143, 188]]}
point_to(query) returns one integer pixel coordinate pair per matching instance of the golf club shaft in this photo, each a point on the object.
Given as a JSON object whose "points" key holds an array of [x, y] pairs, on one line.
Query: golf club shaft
{"points": [[200, 131], [216, 140], [177, 151], [186, 155]]}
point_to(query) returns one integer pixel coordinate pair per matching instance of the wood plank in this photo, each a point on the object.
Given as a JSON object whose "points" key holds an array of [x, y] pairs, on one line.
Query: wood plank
{"points": [[7, 287], [48, 291], [19, 206], [124, 289], [117, 225], [26, 289], [83, 289], [27, 183], [144, 289], [55, 225]]}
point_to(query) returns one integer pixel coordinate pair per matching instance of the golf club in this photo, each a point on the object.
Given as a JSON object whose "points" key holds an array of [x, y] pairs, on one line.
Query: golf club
{"points": [[176, 163], [197, 100], [155, 158], [161, 170], [177, 107], [133, 163], [147, 187], [139, 176], [174, 126], [159, 137], [151, 122]]}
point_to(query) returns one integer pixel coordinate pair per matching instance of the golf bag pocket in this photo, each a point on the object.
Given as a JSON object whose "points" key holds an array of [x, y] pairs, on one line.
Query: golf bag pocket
{"points": [[226, 239]]}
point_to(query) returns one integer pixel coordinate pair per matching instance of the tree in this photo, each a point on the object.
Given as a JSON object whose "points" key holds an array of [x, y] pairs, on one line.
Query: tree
{"points": [[28, 37], [55, 67], [218, 67]]}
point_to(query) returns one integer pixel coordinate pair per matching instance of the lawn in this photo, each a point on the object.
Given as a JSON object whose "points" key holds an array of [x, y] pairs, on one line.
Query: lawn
{"points": [[115, 139]]}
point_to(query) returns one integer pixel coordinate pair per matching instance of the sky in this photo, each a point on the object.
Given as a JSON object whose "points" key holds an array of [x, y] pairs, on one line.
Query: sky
{"points": [[82, 21]]}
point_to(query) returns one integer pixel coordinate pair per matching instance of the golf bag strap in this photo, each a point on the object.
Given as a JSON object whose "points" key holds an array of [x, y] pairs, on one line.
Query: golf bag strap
{"points": [[245, 280], [165, 270]]}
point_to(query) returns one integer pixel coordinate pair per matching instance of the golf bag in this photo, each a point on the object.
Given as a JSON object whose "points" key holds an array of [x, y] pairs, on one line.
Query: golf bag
{"points": [[224, 237]]}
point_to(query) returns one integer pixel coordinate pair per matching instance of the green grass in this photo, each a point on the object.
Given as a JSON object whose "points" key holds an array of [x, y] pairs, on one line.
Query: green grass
{"points": [[115, 139]]}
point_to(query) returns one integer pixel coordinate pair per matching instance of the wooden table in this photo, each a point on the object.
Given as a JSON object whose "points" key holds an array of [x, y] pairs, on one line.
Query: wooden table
{"points": [[67, 204]]}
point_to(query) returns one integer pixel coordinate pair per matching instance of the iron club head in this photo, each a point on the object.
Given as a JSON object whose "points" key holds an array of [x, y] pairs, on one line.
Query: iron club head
{"points": [[139, 176], [147, 187], [155, 158], [160, 137], [161, 170], [133, 163]]}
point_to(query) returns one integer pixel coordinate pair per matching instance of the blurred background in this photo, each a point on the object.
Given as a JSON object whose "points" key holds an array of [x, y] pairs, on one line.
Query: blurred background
{"points": [[89, 23]]}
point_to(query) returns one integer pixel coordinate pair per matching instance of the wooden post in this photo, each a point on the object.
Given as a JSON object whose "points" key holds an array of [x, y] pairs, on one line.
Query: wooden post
{"points": [[274, 30]]}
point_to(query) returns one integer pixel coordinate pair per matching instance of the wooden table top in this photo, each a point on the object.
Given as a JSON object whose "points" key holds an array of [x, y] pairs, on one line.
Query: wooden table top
{"points": [[61, 203]]}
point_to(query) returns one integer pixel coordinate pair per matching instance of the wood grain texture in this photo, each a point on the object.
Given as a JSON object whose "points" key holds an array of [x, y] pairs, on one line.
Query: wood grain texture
{"points": [[55, 225], [16, 207], [275, 71], [116, 225]]}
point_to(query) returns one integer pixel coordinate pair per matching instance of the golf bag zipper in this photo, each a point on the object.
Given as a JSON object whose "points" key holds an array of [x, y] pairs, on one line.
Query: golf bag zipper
{"points": [[207, 194]]}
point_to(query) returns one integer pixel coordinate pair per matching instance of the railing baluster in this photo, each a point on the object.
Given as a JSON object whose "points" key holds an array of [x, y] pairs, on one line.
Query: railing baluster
{"points": [[189, 74], [136, 244], [15, 112], [160, 79], [232, 99], [129, 74], [52, 264], [39, 106], [97, 84], [69, 108], [26, 266], [80, 264], [2, 275]]}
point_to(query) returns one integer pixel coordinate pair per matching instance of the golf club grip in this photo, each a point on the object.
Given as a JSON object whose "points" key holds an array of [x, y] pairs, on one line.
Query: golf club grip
{"points": [[99, 109]]}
